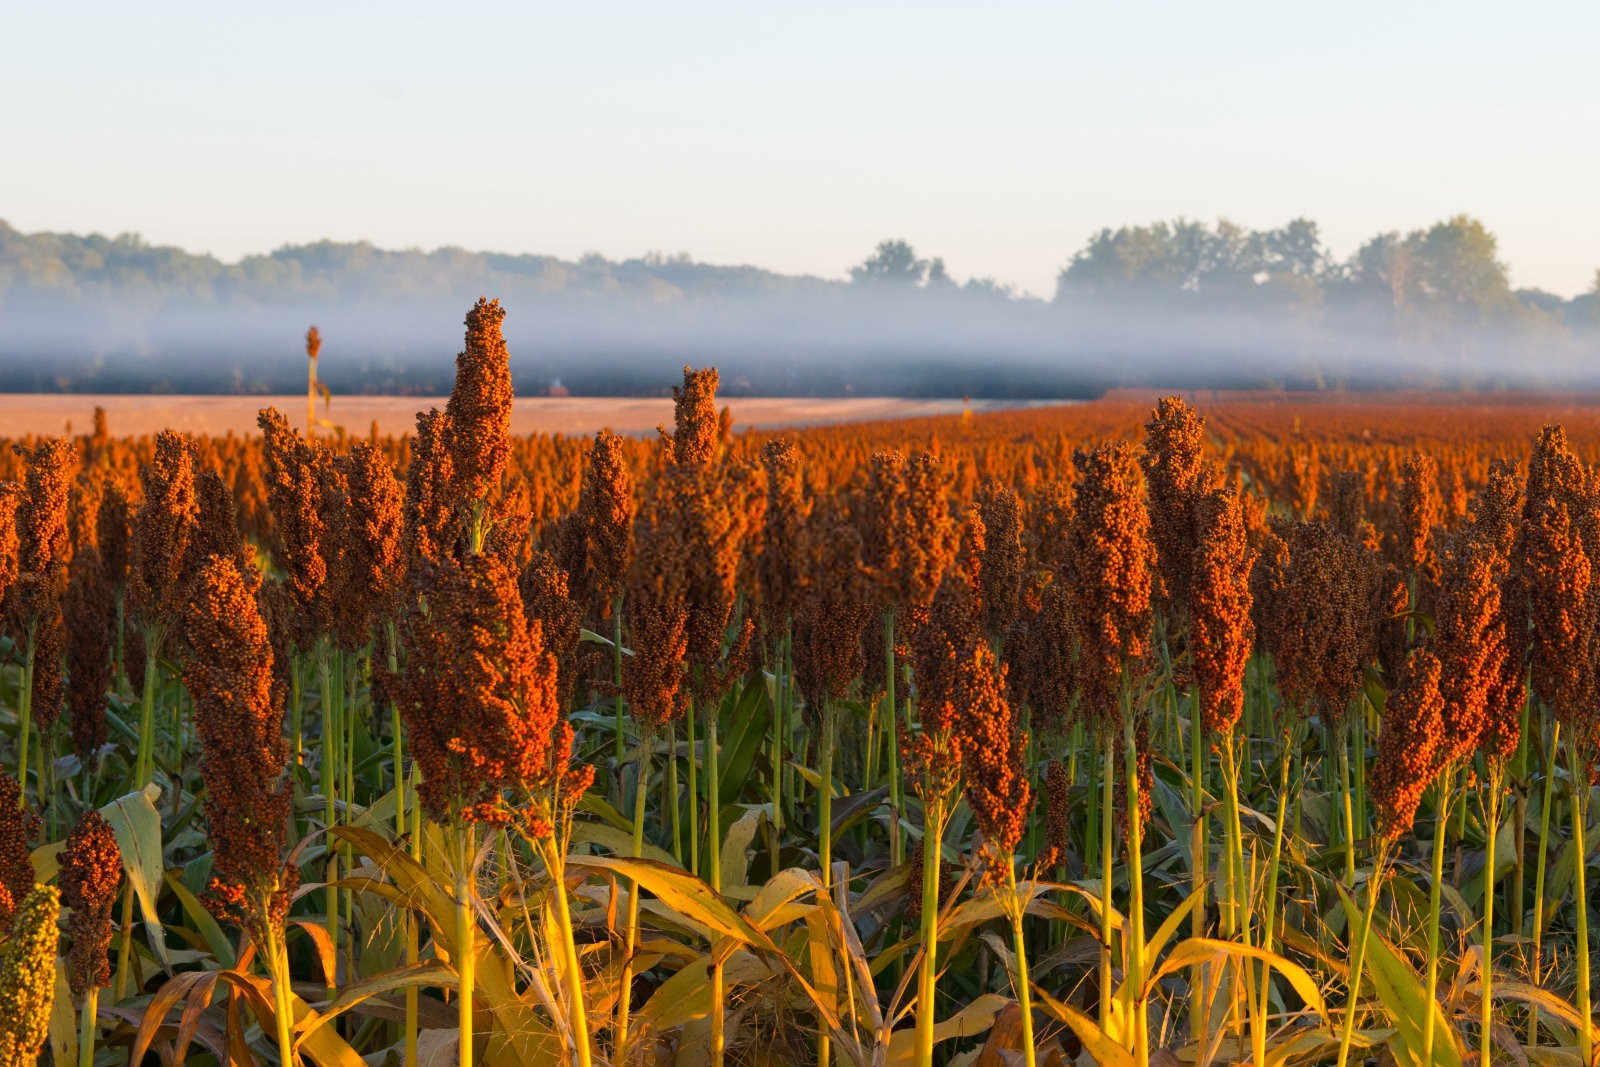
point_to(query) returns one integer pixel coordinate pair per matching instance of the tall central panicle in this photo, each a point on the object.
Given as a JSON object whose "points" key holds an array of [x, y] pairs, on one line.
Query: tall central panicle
{"points": [[479, 408], [1174, 467], [1411, 744], [478, 691], [163, 528], [371, 568], [1111, 555], [1219, 603], [243, 752], [697, 428], [296, 475], [781, 561]]}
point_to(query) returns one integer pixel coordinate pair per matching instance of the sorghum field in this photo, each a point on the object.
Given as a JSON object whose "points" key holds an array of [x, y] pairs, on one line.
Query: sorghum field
{"points": [[1234, 730]]}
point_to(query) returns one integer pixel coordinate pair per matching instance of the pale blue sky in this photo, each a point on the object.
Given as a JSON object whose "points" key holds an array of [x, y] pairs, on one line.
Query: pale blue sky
{"points": [[795, 138]]}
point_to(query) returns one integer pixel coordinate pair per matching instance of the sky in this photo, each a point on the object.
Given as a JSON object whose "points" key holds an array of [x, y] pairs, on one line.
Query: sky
{"points": [[795, 137]]}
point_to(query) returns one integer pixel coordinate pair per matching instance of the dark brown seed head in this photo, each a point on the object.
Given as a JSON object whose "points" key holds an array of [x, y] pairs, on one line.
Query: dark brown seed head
{"points": [[1003, 564], [654, 679], [1221, 632], [994, 750], [242, 748], [163, 529], [1411, 745], [781, 563], [478, 692], [1111, 555], [696, 434], [91, 870], [1174, 467], [432, 523], [17, 828], [91, 619], [480, 407]]}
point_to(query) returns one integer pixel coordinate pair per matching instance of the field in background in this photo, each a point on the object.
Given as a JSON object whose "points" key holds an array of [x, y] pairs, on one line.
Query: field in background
{"points": [[22, 414]]}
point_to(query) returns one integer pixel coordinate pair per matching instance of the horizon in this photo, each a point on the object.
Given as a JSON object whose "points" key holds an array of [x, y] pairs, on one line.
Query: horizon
{"points": [[1000, 141]]}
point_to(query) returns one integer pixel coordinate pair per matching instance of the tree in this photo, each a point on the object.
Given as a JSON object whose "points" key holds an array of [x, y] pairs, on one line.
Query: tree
{"points": [[894, 262]]}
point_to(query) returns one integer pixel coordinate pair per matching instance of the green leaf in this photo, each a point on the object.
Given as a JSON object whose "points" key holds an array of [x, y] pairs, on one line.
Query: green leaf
{"points": [[735, 846], [137, 826], [1106, 1052], [1198, 950], [676, 888], [1404, 999], [744, 740], [221, 948]]}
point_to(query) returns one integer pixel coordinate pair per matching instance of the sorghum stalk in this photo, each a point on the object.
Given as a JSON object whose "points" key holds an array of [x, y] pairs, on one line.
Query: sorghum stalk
{"points": [[896, 848], [927, 971], [410, 921], [1446, 787], [1580, 792], [1133, 938], [1107, 803], [1024, 993], [466, 932], [1539, 869], [329, 760], [714, 858], [1269, 927], [1199, 1010], [25, 715], [616, 671], [1491, 831], [555, 862], [1342, 739], [694, 799], [624, 999], [672, 791], [87, 1026], [1347, 1030], [277, 964], [141, 776]]}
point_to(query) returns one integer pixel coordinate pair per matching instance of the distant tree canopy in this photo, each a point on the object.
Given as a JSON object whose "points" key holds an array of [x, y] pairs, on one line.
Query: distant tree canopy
{"points": [[117, 313]]}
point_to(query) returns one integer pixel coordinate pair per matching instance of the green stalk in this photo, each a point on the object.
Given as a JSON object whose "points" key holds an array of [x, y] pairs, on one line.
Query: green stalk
{"points": [[297, 745], [329, 759], [616, 673], [1347, 1031], [1539, 868], [406, 917], [714, 858], [1199, 1009], [1441, 831], [1107, 803], [1491, 830], [927, 970], [1580, 793], [277, 963], [87, 1026], [466, 933], [147, 711], [825, 795], [555, 863], [896, 844], [672, 791], [624, 1000], [25, 718], [713, 800], [694, 798], [1343, 741], [1024, 993], [780, 724], [1133, 940], [1270, 925]]}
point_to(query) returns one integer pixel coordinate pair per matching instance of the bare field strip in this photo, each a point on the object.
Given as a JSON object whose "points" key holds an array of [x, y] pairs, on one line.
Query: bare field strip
{"points": [[22, 414]]}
